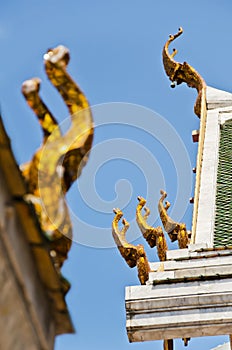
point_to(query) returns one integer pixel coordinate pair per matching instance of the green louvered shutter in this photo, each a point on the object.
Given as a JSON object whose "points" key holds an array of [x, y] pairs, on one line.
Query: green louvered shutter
{"points": [[223, 218]]}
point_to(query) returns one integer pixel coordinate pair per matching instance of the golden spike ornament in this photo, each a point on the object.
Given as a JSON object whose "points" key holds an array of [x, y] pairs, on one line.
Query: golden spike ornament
{"points": [[154, 236], [48, 123], [175, 230], [60, 159], [133, 255], [49, 126], [183, 73]]}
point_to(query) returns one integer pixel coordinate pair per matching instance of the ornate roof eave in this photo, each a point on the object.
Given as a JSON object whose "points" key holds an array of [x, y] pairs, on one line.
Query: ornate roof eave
{"points": [[184, 73], [53, 283]]}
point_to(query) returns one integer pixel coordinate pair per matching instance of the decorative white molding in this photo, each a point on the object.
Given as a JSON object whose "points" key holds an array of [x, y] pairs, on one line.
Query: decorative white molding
{"points": [[187, 309], [217, 98], [206, 206], [191, 298], [225, 115]]}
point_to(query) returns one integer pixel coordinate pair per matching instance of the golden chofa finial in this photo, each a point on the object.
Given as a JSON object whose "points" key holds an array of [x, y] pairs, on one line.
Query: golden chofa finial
{"points": [[154, 236], [133, 255], [175, 230], [183, 73], [60, 159]]}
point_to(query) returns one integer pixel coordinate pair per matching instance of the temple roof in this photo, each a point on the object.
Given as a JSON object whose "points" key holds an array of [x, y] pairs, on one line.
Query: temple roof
{"points": [[26, 215]]}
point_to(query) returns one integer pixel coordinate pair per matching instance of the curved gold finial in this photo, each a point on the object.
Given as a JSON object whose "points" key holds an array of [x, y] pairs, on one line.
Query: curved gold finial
{"points": [[175, 230], [183, 73], [60, 159], [133, 255], [154, 236]]}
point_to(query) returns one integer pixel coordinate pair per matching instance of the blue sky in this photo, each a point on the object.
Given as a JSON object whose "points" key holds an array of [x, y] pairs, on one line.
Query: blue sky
{"points": [[115, 57]]}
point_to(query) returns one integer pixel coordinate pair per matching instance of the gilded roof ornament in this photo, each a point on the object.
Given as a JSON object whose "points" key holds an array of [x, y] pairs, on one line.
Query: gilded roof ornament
{"points": [[60, 159], [183, 73], [175, 230], [133, 255], [154, 236]]}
